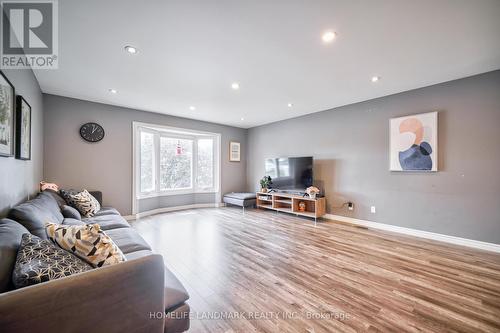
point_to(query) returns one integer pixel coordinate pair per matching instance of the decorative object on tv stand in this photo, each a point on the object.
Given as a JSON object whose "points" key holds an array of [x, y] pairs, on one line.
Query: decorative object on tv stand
{"points": [[414, 141], [92, 132], [302, 206], [23, 129], [312, 191], [234, 151], [265, 182], [7, 102]]}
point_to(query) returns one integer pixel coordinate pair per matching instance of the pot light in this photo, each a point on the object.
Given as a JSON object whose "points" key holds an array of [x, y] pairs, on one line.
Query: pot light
{"points": [[329, 36], [113, 91], [192, 108], [289, 105], [242, 119], [235, 85], [131, 49], [375, 78]]}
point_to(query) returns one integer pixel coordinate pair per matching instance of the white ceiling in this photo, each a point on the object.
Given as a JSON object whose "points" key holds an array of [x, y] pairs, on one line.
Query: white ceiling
{"points": [[191, 51]]}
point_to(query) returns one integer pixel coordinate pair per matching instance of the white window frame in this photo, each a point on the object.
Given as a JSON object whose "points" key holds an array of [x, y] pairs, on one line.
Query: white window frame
{"points": [[155, 156], [172, 132]]}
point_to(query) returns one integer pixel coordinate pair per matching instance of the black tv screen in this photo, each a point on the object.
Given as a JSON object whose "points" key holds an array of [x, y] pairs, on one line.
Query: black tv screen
{"points": [[290, 173]]}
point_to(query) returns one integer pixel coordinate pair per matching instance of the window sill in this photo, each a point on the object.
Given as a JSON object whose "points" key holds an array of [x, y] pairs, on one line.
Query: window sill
{"points": [[169, 193]]}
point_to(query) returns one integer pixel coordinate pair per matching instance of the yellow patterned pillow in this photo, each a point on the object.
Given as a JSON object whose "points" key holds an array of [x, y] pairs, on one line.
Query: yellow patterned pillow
{"points": [[88, 242]]}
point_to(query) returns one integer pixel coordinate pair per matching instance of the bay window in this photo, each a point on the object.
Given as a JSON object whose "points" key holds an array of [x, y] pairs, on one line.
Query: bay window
{"points": [[175, 161]]}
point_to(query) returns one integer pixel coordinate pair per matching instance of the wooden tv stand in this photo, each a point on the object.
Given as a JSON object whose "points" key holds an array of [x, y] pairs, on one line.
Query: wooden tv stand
{"points": [[289, 203]]}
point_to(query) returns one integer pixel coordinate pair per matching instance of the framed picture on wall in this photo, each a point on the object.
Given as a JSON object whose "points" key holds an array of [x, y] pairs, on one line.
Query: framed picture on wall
{"points": [[23, 129], [234, 151], [414, 143], [7, 103]]}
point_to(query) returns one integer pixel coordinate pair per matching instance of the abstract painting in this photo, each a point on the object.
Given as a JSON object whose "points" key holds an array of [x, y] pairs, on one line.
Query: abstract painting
{"points": [[413, 144], [7, 96], [23, 129]]}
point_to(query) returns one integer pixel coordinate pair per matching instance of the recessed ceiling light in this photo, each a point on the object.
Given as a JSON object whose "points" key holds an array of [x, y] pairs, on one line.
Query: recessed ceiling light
{"points": [[328, 36], [131, 49], [289, 105], [235, 85], [113, 91], [242, 119], [375, 78], [192, 108]]}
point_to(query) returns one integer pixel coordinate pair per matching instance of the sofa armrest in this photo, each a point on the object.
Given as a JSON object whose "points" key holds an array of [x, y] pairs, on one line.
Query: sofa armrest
{"points": [[97, 195], [126, 297]]}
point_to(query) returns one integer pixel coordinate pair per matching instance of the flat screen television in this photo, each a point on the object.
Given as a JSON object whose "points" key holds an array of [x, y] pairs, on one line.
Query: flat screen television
{"points": [[290, 174]]}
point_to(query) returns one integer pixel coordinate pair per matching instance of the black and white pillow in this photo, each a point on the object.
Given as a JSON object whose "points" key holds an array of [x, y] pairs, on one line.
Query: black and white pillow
{"points": [[85, 202], [68, 196], [39, 260]]}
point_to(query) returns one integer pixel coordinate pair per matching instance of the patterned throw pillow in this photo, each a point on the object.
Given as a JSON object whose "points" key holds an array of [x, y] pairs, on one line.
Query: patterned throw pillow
{"points": [[48, 186], [40, 260], [67, 195], [88, 242], [85, 202]]}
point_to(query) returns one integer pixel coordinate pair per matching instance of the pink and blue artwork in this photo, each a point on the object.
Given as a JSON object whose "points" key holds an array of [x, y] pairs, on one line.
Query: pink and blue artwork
{"points": [[413, 144]]}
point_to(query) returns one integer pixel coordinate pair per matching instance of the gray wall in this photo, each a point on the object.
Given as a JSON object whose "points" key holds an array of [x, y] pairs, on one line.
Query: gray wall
{"points": [[350, 145], [107, 165], [19, 179]]}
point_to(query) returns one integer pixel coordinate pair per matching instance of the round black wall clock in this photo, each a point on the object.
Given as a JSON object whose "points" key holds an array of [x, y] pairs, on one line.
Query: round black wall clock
{"points": [[92, 132]]}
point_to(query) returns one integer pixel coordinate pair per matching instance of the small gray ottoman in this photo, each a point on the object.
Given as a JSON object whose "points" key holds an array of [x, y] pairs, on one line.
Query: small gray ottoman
{"points": [[242, 199]]}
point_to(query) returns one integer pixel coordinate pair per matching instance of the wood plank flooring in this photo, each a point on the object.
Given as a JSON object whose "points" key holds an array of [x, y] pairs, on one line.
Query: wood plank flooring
{"points": [[268, 272]]}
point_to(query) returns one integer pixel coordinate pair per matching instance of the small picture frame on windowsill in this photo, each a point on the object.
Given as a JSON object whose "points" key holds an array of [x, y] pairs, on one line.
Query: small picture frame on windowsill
{"points": [[234, 151]]}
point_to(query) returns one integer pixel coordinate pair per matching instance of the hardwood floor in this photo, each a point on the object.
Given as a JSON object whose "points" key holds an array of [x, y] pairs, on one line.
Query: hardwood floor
{"points": [[268, 272]]}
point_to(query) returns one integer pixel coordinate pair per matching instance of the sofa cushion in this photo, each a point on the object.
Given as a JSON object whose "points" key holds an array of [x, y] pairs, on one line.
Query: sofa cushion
{"points": [[70, 212], [128, 240], [108, 222], [88, 242], [241, 195], [175, 293], [107, 211], [239, 202], [97, 195], [11, 234], [56, 196], [70, 221], [39, 260], [33, 214], [138, 254]]}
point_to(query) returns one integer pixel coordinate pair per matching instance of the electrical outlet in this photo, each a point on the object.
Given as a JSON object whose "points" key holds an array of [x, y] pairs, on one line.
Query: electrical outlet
{"points": [[350, 206], [373, 209]]}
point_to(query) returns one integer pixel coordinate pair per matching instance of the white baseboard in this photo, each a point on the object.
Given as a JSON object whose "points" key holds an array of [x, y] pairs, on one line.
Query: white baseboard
{"points": [[418, 233], [172, 209]]}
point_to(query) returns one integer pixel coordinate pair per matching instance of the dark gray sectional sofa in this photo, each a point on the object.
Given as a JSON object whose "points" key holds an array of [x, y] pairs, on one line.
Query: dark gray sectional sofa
{"points": [[138, 295]]}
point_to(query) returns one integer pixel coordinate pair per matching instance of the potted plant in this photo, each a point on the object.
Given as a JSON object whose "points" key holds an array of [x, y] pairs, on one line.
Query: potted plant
{"points": [[264, 183], [312, 191]]}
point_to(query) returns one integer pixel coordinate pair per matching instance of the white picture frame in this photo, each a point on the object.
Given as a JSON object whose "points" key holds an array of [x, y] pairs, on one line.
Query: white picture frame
{"points": [[234, 151], [414, 143]]}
